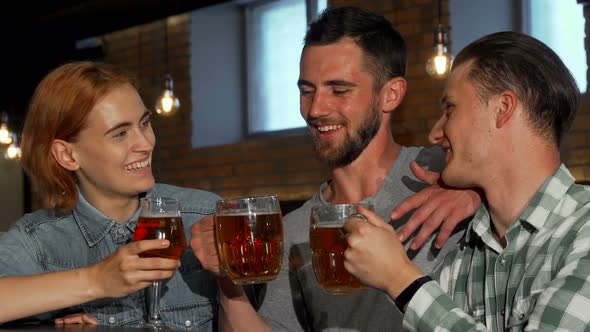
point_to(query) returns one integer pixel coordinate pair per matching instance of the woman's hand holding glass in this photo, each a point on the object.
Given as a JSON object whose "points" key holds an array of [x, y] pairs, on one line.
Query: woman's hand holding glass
{"points": [[125, 272]]}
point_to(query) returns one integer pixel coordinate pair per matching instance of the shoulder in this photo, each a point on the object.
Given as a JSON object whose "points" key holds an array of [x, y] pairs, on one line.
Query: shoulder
{"points": [[571, 214], [191, 200], [433, 158], [302, 211], [40, 218], [296, 223]]}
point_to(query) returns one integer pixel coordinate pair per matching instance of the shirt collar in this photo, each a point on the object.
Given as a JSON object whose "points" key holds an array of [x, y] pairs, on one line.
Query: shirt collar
{"points": [[536, 213], [547, 197], [95, 225]]}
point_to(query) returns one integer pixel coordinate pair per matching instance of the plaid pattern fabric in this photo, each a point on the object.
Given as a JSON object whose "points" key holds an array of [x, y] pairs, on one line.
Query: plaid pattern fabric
{"points": [[540, 281]]}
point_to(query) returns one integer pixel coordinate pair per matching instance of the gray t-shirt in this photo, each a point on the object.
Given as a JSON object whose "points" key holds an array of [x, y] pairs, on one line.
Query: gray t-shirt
{"points": [[294, 301]]}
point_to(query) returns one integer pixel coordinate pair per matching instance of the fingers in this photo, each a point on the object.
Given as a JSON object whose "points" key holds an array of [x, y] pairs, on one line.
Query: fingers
{"points": [[156, 263], [204, 245], [137, 247], [79, 318], [373, 218], [447, 229], [428, 218], [423, 174], [412, 202]]}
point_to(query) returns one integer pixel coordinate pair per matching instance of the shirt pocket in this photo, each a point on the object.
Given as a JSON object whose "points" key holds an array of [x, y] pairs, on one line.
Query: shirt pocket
{"points": [[521, 311], [189, 298], [112, 312], [189, 317]]}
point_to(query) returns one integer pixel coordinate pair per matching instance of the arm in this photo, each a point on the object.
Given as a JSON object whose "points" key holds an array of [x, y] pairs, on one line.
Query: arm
{"points": [[438, 207], [118, 275], [557, 307], [394, 273], [236, 311]]}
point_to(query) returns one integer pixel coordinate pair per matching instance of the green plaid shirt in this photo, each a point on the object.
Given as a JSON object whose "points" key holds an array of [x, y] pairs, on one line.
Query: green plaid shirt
{"points": [[540, 281]]}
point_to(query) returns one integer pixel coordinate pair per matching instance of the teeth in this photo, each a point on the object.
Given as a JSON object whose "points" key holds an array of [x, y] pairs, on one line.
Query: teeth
{"points": [[328, 128], [137, 165]]}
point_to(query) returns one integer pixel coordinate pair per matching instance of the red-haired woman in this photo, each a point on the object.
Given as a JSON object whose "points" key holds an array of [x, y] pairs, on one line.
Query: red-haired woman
{"points": [[87, 145]]}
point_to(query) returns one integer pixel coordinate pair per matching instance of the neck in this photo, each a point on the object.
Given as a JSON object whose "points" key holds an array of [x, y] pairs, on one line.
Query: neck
{"points": [[119, 209], [509, 189], [364, 176]]}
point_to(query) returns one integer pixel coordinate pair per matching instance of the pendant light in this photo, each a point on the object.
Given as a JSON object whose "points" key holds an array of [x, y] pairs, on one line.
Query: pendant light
{"points": [[167, 104], [439, 63], [13, 150], [6, 136]]}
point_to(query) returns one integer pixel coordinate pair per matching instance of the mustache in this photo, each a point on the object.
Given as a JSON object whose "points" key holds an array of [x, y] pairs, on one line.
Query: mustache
{"points": [[317, 121]]}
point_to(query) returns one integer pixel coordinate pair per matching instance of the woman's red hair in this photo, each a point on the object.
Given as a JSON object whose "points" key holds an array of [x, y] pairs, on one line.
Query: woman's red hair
{"points": [[58, 110]]}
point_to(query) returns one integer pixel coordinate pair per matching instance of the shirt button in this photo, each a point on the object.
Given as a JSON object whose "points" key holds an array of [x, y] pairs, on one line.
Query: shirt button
{"points": [[503, 261], [521, 316], [502, 312], [112, 320], [121, 230], [187, 323]]}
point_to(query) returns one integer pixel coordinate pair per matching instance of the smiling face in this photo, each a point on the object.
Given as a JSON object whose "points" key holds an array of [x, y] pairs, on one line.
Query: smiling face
{"points": [[338, 101], [464, 131], [113, 152]]}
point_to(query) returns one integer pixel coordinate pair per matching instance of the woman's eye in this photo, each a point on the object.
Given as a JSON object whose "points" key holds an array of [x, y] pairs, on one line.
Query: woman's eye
{"points": [[120, 134]]}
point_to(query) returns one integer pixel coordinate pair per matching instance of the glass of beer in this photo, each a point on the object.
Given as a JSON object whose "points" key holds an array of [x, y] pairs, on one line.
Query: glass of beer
{"points": [[328, 243], [249, 234], [159, 219]]}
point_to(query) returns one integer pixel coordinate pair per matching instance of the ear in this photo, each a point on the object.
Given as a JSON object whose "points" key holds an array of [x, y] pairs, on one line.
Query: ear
{"points": [[507, 103], [64, 154], [393, 93]]}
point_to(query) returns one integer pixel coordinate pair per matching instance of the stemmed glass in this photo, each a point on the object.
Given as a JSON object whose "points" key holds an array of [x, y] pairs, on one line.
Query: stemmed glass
{"points": [[159, 219]]}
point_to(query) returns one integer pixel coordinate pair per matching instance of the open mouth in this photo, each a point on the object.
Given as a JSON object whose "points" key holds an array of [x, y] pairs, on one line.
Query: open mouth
{"points": [[139, 165], [328, 128]]}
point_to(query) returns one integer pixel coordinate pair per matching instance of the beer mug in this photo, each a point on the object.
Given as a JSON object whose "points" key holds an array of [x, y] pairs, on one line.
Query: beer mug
{"points": [[249, 234], [328, 243]]}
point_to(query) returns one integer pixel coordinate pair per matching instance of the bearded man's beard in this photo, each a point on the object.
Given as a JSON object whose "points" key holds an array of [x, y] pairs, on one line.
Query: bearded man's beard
{"points": [[352, 146]]}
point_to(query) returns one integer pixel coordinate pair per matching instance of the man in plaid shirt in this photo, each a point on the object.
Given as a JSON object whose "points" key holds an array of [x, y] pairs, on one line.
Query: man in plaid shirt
{"points": [[524, 263]]}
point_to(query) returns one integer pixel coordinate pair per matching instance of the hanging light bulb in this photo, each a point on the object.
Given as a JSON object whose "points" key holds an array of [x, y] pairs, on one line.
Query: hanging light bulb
{"points": [[6, 137], [13, 150], [439, 64], [168, 103]]}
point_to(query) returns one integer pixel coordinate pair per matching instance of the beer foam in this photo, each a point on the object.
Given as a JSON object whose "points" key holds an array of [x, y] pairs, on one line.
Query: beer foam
{"points": [[148, 214], [329, 224]]}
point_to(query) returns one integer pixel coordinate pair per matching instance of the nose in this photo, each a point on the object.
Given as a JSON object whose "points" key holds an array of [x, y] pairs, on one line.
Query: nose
{"points": [[144, 140], [317, 107], [437, 133]]}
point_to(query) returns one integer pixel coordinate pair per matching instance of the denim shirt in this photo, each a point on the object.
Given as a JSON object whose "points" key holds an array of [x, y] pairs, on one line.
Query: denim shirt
{"points": [[50, 241]]}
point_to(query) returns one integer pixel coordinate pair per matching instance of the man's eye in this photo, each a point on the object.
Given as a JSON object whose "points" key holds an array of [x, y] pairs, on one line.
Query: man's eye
{"points": [[146, 122], [448, 107], [303, 92], [339, 92]]}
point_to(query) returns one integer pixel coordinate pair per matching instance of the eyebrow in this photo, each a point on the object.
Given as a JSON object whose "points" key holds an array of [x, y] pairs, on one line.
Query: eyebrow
{"points": [[343, 83], [145, 114]]}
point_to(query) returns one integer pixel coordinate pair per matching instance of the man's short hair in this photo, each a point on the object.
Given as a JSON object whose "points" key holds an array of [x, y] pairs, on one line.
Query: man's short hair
{"points": [[383, 47], [511, 61]]}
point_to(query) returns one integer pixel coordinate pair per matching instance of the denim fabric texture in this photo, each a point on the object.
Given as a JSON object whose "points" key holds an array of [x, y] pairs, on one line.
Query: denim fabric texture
{"points": [[50, 241]]}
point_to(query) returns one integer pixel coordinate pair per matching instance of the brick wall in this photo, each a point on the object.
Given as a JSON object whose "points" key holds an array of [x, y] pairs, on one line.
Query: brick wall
{"points": [[576, 146], [285, 166]]}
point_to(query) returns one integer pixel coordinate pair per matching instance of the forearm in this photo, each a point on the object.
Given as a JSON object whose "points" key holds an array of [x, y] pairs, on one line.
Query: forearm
{"points": [[431, 308], [236, 312], [23, 296]]}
